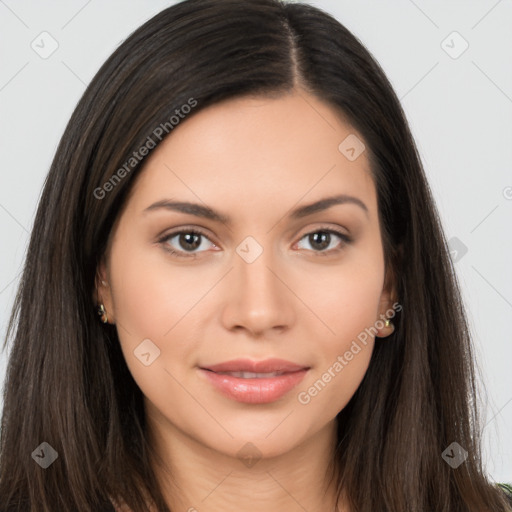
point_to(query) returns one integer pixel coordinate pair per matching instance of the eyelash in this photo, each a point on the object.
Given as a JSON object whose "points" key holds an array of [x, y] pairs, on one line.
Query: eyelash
{"points": [[163, 241], [167, 237]]}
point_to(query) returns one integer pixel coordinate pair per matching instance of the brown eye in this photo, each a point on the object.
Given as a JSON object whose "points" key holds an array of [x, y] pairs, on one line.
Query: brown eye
{"points": [[324, 241], [189, 240], [185, 242], [319, 240]]}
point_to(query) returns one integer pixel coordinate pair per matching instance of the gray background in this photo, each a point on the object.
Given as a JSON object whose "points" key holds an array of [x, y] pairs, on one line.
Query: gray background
{"points": [[459, 104]]}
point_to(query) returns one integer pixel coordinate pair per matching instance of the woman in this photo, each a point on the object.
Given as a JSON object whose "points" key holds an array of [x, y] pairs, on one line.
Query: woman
{"points": [[239, 197]]}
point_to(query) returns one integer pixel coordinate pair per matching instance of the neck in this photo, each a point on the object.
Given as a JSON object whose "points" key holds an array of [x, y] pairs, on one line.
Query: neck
{"points": [[194, 477]]}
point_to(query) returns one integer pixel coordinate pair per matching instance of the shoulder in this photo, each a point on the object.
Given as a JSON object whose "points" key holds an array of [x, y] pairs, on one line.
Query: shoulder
{"points": [[507, 490]]}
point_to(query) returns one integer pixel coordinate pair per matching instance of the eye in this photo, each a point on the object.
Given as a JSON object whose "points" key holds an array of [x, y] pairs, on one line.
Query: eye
{"points": [[323, 241], [184, 243]]}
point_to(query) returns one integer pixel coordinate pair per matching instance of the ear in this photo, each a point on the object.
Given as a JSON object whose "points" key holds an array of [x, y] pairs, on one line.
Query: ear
{"points": [[103, 292], [387, 306]]}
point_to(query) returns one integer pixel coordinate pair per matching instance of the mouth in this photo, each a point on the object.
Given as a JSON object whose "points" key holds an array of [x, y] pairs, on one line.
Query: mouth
{"points": [[252, 375], [254, 382]]}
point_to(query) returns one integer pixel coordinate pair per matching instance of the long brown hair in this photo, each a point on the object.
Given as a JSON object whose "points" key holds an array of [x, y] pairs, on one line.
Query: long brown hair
{"points": [[67, 383]]}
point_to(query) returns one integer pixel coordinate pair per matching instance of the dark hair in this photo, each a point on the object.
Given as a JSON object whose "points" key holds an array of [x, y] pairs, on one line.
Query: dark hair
{"points": [[67, 382]]}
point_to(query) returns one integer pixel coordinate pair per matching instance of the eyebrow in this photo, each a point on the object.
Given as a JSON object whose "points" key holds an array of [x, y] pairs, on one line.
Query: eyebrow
{"points": [[298, 213]]}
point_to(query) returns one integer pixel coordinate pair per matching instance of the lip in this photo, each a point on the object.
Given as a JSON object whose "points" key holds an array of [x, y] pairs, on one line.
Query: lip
{"points": [[259, 390], [247, 365]]}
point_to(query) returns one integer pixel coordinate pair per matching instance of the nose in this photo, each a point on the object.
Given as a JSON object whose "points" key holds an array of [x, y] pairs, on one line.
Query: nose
{"points": [[257, 297]]}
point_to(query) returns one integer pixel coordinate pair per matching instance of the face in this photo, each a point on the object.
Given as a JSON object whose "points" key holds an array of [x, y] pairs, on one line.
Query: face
{"points": [[240, 295]]}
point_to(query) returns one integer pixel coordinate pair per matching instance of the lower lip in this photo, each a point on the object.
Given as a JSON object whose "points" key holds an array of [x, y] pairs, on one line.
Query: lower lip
{"points": [[255, 391]]}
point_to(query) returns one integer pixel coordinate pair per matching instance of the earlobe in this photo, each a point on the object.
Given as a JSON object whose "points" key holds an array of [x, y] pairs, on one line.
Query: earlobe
{"points": [[387, 328], [385, 325], [388, 310], [103, 299], [102, 313]]}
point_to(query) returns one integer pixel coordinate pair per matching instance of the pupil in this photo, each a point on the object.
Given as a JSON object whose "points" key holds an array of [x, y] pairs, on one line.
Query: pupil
{"points": [[192, 239], [321, 238]]}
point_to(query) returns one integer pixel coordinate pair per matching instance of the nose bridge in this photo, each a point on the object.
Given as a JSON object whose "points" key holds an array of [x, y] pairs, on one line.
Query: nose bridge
{"points": [[257, 284], [256, 276], [258, 300]]}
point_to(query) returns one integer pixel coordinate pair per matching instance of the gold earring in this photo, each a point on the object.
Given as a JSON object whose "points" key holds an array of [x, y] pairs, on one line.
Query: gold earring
{"points": [[387, 323], [102, 313]]}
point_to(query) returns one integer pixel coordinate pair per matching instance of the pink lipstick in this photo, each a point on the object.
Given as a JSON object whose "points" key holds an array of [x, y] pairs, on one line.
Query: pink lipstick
{"points": [[255, 382]]}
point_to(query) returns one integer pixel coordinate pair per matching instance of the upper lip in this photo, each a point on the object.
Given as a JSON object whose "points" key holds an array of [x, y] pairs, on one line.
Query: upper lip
{"points": [[247, 365]]}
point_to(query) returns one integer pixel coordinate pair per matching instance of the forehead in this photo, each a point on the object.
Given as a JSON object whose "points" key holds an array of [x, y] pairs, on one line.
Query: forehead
{"points": [[258, 154]]}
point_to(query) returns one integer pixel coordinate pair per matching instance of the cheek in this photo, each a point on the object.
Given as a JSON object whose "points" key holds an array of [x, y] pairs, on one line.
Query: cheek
{"points": [[347, 303], [331, 388], [344, 299], [152, 296], [341, 363], [150, 303]]}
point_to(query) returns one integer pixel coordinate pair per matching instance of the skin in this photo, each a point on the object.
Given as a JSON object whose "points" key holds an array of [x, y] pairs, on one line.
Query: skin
{"points": [[252, 159]]}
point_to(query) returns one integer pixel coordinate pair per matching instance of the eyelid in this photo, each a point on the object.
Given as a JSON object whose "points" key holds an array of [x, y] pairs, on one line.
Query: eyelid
{"points": [[185, 229], [346, 239], [163, 239], [327, 228]]}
